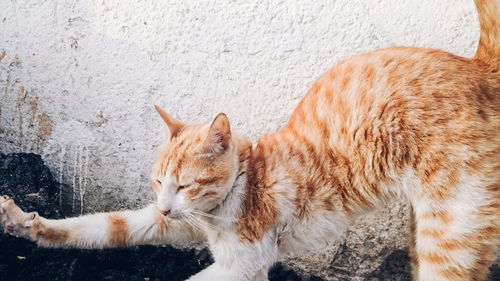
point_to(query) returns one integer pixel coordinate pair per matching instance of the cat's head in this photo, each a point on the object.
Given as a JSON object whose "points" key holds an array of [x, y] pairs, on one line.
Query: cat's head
{"points": [[197, 165]]}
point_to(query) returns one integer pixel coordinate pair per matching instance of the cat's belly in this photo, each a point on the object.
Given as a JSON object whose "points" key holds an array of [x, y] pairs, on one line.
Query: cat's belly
{"points": [[312, 233]]}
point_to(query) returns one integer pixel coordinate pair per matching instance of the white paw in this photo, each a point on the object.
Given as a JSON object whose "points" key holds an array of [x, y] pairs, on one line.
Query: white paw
{"points": [[3, 199], [14, 220]]}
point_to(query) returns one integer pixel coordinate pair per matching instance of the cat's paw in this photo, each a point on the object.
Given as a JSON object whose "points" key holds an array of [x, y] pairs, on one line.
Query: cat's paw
{"points": [[15, 221], [3, 199]]}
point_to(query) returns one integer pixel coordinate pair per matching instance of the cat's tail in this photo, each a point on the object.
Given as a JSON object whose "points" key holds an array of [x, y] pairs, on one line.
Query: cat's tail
{"points": [[488, 50]]}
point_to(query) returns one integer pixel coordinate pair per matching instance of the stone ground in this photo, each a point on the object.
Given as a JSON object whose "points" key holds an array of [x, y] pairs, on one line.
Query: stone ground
{"points": [[30, 183]]}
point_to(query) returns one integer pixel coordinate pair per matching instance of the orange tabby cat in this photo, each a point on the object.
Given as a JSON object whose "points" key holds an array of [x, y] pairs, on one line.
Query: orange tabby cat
{"points": [[422, 124]]}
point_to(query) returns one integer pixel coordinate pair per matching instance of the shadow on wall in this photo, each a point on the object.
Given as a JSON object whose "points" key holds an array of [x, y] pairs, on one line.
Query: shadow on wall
{"points": [[28, 180]]}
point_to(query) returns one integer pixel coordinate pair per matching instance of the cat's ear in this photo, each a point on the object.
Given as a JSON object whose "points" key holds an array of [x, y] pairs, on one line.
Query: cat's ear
{"points": [[218, 138], [174, 126]]}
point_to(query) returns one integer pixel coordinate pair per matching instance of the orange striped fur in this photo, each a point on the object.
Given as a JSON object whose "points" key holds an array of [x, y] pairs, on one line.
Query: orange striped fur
{"points": [[414, 123]]}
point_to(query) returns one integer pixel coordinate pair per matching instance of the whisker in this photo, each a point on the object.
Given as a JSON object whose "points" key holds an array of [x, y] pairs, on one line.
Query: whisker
{"points": [[203, 224], [198, 212], [196, 220], [209, 225], [189, 220]]}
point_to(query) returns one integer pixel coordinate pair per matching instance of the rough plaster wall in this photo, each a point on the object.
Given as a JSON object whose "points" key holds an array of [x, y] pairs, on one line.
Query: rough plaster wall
{"points": [[78, 80]]}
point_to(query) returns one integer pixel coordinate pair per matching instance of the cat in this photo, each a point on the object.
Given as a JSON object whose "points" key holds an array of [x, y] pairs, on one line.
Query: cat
{"points": [[414, 123]]}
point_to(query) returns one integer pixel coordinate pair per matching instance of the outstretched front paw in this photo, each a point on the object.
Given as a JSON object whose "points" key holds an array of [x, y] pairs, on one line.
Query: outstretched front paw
{"points": [[15, 221]]}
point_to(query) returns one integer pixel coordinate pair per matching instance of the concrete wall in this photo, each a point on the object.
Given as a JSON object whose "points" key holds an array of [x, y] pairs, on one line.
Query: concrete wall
{"points": [[78, 78]]}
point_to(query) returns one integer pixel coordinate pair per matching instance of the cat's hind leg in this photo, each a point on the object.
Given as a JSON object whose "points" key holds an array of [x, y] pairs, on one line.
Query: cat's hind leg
{"points": [[457, 230], [412, 241]]}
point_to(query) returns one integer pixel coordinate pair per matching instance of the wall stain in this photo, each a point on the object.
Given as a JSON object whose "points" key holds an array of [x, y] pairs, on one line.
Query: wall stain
{"points": [[45, 125], [33, 101], [33, 129], [21, 98]]}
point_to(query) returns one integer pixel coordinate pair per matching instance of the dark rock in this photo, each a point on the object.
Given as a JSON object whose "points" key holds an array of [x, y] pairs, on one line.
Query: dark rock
{"points": [[395, 267], [25, 178], [282, 273]]}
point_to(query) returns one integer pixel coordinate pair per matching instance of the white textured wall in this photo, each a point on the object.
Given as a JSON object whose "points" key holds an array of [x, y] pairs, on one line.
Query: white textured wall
{"points": [[78, 78]]}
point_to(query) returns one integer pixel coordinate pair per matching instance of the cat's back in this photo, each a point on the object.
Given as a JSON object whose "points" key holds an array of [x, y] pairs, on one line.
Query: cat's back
{"points": [[399, 107], [414, 91]]}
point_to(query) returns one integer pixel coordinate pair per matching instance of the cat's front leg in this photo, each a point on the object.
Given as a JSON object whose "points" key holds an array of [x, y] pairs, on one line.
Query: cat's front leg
{"points": [[213, 272], [100, 230], [237, 260], [217, 272]]}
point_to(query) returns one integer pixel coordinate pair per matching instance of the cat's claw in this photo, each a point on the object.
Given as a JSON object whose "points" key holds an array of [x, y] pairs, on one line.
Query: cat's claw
{"points": [[14, 220]]}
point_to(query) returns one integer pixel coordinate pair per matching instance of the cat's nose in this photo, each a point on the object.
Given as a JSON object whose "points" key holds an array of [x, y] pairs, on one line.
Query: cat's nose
{"points": [[165, 212]]}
